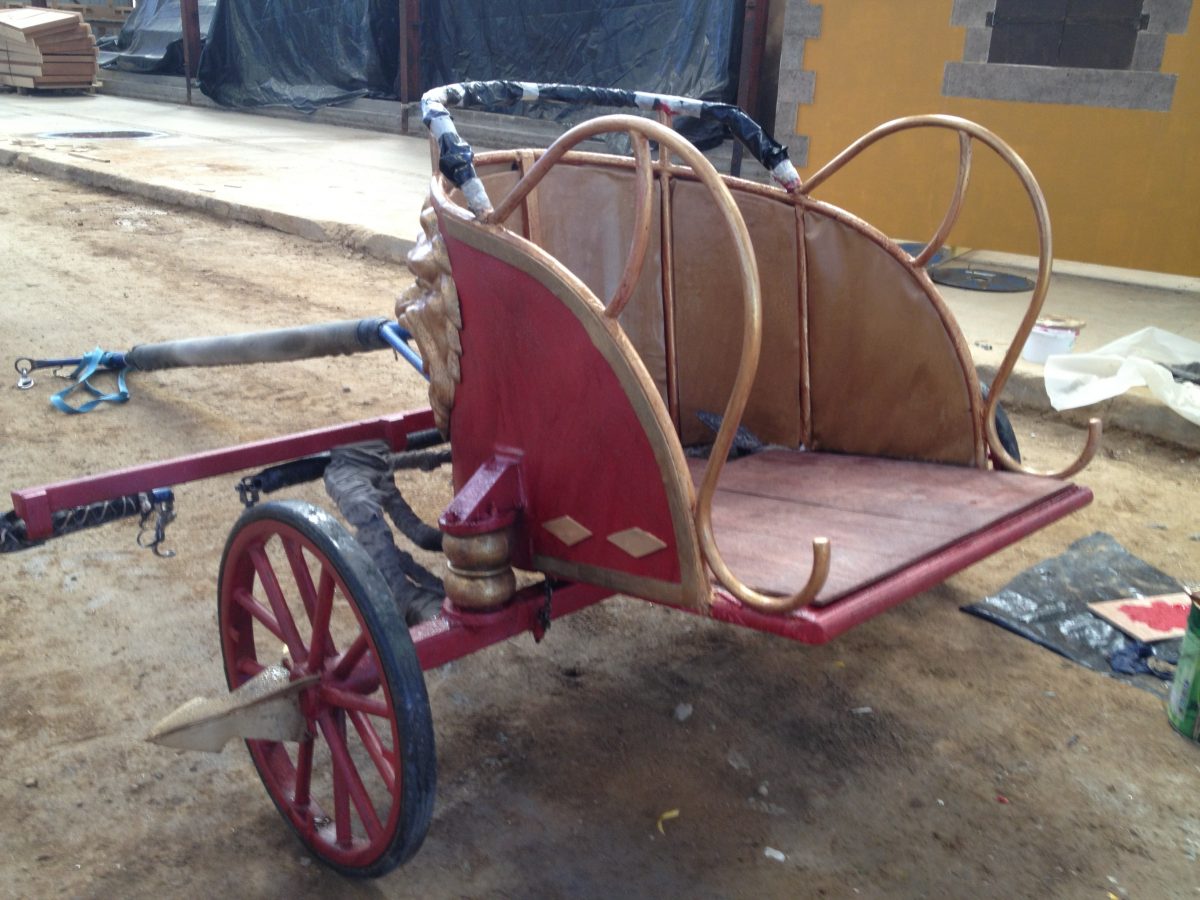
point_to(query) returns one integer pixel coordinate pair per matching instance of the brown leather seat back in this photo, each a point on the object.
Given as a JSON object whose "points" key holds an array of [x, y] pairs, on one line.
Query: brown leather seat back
{"points": [[709, 313], [889, 372], [585, 217]]}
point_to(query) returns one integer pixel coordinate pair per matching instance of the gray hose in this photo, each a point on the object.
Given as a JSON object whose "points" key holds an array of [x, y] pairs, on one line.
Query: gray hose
{"points": [[301, 342], [359, 479]]}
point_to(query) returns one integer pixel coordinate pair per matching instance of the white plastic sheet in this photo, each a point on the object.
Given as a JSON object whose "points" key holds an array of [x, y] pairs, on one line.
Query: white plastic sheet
{"points": [[1136, 360]]}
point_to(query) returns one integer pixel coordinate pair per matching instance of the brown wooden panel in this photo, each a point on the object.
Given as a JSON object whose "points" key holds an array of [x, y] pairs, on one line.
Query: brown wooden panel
{"points": [[886, 374], [708, 304], [880, 515], [587, 223]]}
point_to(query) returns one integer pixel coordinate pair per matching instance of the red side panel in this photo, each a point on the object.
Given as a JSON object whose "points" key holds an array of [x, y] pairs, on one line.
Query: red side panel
{"points": [[533, 381]]}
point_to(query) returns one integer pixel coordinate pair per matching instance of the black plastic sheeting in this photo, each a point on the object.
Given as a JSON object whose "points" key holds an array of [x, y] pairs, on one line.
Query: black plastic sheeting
{"points": [[1048, 605], [456, 158], [302, 53], [151, 41], [684, 47]]}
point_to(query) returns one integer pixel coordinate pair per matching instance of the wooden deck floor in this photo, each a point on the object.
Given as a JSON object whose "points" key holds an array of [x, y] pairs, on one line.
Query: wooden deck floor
{"points": [[880, 515]]}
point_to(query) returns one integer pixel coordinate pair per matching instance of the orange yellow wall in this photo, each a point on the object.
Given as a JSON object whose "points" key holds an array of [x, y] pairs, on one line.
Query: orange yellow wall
{"points": [[1123, 186]]}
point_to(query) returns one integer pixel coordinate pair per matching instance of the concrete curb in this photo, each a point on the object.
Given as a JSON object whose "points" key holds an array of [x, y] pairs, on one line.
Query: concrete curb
{"points": [[1160, 280], [483, 130], [1137, 411], [387, 116], [387, 247]]}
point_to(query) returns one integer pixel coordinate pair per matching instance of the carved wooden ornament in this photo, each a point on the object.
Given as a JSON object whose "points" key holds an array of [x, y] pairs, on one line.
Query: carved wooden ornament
{"points": [[430, 312]]}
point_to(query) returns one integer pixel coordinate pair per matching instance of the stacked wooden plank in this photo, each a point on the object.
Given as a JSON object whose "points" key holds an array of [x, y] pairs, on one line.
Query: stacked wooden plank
{"points": [[105, 17], [46, 49]]}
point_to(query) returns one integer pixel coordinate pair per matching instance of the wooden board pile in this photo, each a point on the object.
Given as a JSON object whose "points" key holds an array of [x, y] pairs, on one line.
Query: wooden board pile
{"points": [[46, 49]]}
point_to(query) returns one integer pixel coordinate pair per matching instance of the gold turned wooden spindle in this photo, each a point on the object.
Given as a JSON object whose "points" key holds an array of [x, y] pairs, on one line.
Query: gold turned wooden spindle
{"points": [[478, 574]]}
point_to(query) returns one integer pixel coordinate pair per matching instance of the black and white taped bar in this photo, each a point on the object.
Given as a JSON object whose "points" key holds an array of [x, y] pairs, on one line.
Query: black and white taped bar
{"points": [[456, 159]]}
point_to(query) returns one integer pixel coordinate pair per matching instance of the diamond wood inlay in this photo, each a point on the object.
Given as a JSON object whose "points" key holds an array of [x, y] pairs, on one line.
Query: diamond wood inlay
{"points": [[636, 543], [567, 530]]}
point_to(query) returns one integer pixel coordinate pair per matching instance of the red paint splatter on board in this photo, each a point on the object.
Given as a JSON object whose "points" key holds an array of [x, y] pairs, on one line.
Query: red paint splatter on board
{"points": [[1158, 615]]}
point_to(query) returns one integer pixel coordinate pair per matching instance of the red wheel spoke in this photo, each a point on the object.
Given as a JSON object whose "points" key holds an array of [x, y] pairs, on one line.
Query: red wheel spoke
{"points": [[304, 758], [322, 643], [345, 771], [341, 794], [270, 583], [351, 657], [250, 667], [350, 700], [246, 600], [308, 593], [382, 759]]}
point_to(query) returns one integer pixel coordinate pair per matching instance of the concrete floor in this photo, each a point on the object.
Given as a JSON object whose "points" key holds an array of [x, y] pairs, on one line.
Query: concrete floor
{"points": [[1110, 310], [365, 188], [306, 178]]}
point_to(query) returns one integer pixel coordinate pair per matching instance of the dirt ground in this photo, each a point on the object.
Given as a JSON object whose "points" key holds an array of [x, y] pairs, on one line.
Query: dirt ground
{"points": [[987, 767]]}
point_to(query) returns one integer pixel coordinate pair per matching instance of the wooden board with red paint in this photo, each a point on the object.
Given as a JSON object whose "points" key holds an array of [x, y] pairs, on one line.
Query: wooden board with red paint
{"points": [[1147, 618]]}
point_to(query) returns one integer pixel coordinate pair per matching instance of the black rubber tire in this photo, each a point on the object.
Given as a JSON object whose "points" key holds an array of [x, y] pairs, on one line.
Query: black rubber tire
{"points": [[1004, 429], [390, 657]]}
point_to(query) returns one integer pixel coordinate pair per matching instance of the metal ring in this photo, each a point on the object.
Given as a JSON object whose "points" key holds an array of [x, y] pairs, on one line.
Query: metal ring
{"points": [[24, 382]]}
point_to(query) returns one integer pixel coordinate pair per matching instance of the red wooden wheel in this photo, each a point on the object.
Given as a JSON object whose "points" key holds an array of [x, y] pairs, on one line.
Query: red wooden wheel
{"points": [[296, 587]]}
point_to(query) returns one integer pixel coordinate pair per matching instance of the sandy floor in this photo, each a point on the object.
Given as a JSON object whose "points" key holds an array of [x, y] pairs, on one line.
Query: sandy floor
{"points": [[987, 767]]}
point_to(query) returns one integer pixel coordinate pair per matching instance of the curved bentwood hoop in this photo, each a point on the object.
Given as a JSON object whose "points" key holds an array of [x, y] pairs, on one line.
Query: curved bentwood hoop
{"points": [[968, 131]]}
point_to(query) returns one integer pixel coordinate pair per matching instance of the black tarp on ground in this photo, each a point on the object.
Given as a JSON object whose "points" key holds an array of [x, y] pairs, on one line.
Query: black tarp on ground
{"points": [[1048, 605], [302, 53], [684, 47], [151, 41]]}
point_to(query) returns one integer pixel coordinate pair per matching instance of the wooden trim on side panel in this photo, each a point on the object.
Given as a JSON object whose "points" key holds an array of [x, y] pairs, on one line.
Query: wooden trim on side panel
{"points": [[806, 429], [533, 218], [666, 222], [634, 585]]}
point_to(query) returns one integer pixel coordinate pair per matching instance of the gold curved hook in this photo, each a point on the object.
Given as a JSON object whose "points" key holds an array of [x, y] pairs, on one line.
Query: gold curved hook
{"points": [[1004, 458], [1041, 285], [755, 599], [738, 398]]}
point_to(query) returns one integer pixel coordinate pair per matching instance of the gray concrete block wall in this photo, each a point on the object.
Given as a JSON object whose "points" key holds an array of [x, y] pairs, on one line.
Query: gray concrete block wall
{"points": [[1039, 84], [978, 44], [971, 13], [1148, 51], [1143, 86], [802, 21], [1167, 16]]}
